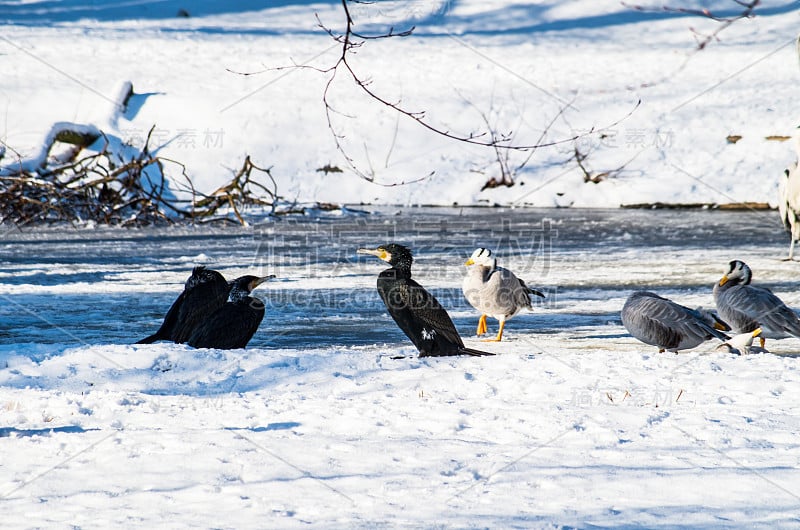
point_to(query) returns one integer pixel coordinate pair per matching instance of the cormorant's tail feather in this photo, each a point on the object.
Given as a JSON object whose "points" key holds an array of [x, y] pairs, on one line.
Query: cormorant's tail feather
{"points": [[475, 353], [149, 340], [454, 352]]}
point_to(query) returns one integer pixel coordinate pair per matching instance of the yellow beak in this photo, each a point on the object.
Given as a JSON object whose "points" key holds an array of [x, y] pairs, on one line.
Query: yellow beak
{"points": [[756, 332], [723, 280], [469, 262], [378, 252], [258, 281]]}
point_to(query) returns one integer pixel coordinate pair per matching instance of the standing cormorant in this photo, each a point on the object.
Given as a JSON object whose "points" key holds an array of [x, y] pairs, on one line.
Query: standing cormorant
{"points": [[661, 322], [415, 310], [204, 292], [494, 291], [234, 324], [747, 307]]}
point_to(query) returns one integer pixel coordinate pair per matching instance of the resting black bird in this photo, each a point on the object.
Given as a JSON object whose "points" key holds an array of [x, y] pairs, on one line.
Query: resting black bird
{"points": [[234, 324], [204, 292], [415, 310]]}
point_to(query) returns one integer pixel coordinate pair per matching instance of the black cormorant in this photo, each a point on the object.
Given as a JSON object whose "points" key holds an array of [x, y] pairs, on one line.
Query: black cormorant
{"points": [[204, 292], [416, 311], [234, 324]]}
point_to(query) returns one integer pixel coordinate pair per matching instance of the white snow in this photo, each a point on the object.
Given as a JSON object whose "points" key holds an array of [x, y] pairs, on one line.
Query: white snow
{"points": [[318, 423], [514, 65], [350, 437]]}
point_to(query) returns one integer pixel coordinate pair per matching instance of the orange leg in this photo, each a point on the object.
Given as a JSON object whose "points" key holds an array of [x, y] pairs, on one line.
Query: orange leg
{"points": [[481, 325], [763, 341], [499, 336]]}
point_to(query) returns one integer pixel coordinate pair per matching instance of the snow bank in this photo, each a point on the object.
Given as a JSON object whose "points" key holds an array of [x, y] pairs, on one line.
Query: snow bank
{"points": [[514, 66]]}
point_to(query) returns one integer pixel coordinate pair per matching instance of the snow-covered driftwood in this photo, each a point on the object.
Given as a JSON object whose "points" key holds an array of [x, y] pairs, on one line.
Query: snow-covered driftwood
{"points": [[82, 172]]}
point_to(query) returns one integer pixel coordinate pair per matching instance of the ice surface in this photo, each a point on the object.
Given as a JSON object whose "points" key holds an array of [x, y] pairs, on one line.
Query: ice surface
{"points": [[515, 65]]}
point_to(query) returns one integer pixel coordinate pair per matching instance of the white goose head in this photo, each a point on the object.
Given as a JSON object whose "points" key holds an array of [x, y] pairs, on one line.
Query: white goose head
{"points": [[483, 258], [738, 274], [740, 344]]}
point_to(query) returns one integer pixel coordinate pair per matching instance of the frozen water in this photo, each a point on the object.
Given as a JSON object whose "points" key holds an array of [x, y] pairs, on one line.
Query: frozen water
{"points": [[118, 284]]}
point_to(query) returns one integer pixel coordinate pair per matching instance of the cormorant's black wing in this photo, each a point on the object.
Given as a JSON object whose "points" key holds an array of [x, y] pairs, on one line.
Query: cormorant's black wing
{"points": [[421, 317], [199, 303], [205, 291], [417, 313], [229, 327], [167, 329], [431, 313]]}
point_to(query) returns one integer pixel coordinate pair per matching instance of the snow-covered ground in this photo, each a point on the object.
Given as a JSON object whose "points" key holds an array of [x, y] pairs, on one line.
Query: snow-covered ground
{"points": [[328, 418], [318, 423], [513, 65]]}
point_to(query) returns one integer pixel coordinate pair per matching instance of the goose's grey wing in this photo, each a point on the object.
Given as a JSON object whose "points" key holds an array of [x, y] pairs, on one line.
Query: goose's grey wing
{"points": [[764, 309], [711, 318], [734, 307], [640, 316], [488, 292], [507, 293], [664, 323], [519, 292]]}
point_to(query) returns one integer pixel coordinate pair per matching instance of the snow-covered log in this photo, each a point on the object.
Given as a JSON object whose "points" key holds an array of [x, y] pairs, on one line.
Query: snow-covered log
{"points": [[101, 178]]}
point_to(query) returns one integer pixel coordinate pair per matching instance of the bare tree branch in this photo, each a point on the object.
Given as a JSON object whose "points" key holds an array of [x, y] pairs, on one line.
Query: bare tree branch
{"points": [[702, 40], [351, 40]]}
